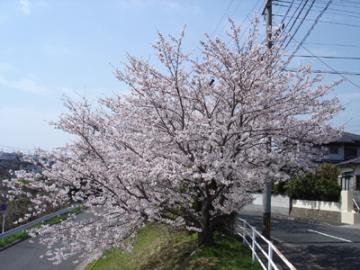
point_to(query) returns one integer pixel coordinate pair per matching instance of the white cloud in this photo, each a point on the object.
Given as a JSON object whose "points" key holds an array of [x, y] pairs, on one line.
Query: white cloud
{"points": [[5, 67], [25, 85], [25, 7], [30, 86]]}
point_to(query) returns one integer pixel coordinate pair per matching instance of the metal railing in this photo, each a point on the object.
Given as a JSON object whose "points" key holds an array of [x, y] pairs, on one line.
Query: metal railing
{"points": [[264, 251], [357, 206], [35, 222]]}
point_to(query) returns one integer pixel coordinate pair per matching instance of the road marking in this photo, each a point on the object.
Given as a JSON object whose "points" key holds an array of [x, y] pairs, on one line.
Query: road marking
{"points": [[331, 236]]}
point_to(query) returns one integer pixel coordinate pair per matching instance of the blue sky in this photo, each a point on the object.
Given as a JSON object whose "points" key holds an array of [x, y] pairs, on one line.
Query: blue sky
{"points": [[49, 48]]}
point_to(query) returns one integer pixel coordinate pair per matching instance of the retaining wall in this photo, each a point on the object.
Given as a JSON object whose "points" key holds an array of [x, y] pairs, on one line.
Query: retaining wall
{"points": [[321, 210]]}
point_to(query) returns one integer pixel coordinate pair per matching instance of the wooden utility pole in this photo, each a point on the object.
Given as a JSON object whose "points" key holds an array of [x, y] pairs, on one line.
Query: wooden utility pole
{"points": [[267, 188]]}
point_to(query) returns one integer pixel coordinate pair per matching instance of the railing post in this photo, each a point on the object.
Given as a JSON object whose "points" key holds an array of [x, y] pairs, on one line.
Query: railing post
{"points": [[270, 256], [253, 244]]}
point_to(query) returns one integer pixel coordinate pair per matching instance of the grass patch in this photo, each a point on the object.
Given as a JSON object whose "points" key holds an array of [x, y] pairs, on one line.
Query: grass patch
{"points": [[12, 238], [163, 248], [23, 234], [58, 219]]}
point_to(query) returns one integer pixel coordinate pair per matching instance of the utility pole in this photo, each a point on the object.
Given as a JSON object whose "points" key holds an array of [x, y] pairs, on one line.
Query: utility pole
{"points": [[268, 185]]}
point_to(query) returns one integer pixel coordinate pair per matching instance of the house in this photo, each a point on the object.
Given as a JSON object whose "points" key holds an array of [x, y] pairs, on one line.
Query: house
{"points": [[345, 153], [14, 161], [347, 147]]}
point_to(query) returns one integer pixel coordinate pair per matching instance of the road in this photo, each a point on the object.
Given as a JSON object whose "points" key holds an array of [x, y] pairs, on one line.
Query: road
{"points": [[26, 255], [307, 245], [314, 246]]}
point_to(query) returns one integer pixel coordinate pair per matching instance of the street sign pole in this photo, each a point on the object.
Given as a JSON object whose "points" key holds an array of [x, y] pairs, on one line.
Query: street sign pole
{"points": [[3, 222], [3, 210]]}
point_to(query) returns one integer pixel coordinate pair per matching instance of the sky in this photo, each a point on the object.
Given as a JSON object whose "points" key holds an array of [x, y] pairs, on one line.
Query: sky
{"points": [[52, 48]]}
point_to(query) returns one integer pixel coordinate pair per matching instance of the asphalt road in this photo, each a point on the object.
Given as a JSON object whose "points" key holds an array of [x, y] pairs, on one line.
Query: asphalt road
{"points": [[310, 245], [26, 256]]}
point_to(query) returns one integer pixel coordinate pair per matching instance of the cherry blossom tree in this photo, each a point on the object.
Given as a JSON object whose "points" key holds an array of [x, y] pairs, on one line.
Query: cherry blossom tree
{"points": [[188, 144]]}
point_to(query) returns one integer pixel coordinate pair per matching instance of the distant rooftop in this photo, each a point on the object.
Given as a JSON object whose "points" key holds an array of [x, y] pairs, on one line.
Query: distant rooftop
{"points": [[351, 161], [8, 156], [348, 137]]}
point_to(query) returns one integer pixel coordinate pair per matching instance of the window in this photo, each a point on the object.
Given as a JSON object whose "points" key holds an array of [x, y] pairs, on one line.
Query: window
{"points": [[345, 180], [350, 152], [357, 186], [334, 149]]}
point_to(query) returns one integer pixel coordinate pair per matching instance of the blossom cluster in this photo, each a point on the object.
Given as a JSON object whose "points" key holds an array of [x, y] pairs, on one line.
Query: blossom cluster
{"points": [[186, 146]]}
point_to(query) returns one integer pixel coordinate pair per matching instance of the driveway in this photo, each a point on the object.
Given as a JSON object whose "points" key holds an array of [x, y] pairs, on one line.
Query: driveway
{"points": [[311, 245]]}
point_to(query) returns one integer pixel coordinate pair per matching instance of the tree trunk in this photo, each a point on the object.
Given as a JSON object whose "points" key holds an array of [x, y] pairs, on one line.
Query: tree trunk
{"points": [[205, 237]]}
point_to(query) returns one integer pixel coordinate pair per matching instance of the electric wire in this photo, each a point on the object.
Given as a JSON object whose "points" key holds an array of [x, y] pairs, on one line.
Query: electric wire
{"points": [[311, 28], [341, 74], [301, 23]]}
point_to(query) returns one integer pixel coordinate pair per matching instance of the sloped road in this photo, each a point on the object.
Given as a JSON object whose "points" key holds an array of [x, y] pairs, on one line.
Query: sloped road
{"points": [[311, 245], [26, 256]]}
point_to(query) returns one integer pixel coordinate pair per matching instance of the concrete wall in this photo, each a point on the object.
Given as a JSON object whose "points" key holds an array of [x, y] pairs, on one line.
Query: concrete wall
{"points": [[279, 204], [276, 200], [284, 202], [331, 212], [325, 211], [332, 217], [316, 205]]}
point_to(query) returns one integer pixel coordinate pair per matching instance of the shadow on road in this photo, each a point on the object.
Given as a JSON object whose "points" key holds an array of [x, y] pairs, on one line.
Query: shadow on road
{"points": [[323, 257]]}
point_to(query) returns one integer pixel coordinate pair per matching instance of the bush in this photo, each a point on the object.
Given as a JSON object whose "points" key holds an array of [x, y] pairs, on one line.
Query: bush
{"points": [[320, 186]]}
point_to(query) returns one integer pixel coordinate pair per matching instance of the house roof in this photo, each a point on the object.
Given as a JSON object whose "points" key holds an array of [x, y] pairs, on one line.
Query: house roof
{"points": [[348, 137], [8, 156], [353, 161]]}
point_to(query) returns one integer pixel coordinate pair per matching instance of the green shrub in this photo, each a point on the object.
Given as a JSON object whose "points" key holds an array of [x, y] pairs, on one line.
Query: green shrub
{"points": [[322, 185]]}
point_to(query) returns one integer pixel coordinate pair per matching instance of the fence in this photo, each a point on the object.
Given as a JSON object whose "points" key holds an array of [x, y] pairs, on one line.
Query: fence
{"points": [[35, 222], [262, 249]]}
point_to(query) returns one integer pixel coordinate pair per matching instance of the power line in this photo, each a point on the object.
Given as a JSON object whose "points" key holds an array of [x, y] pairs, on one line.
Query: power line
{"points": [[301, 23], [329, 57], [318, 71], [326, 22], [336, 11], [312, 27], [296, 18], [342, 75], [334, 44], [222, 17], [287, 12], [335, 4]]}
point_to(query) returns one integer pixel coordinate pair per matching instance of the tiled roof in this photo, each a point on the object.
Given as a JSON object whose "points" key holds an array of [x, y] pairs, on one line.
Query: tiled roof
{"points": [[351, 161], [348, 137], [8, 156]]}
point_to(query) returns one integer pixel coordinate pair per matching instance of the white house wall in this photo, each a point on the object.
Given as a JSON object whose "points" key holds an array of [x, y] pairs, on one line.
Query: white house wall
{"points": [[316, 205]]}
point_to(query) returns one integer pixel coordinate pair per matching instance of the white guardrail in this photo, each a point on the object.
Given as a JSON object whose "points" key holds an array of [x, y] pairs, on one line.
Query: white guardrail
{"points": [[357, 206], [35, 222], [262, 249]]}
